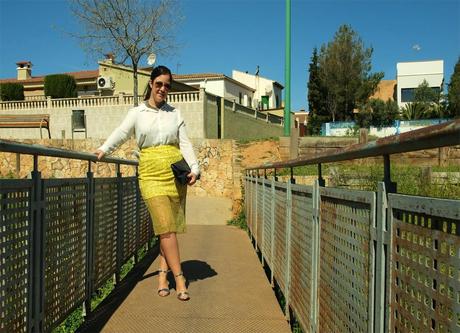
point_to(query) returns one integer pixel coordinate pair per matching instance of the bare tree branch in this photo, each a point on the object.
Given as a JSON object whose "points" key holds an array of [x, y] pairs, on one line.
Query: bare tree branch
{"points": [[131, 29]]}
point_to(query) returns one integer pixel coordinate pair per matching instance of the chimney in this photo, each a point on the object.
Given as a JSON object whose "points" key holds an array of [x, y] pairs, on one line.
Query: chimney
{"points": [[110, 58], [24, 70]]}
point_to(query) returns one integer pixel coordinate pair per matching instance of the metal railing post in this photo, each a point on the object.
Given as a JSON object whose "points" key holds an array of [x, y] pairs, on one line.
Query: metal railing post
{"points": [[287, 291], [382, 278], [90, 197], [272, 235], [316, 227], [292, 180], [321, 180], [138, 219], [390, 186], [254, 224], [119, 225], [37, 253]]}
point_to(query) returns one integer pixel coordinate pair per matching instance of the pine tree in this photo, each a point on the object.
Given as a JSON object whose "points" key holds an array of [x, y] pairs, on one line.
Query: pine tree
{"points": [[316, 105], [453, 94], [344, 67]]}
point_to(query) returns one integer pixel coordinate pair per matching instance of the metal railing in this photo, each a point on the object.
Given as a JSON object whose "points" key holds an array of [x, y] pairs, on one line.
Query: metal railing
{"points": [[360, 261], [62, 239]]}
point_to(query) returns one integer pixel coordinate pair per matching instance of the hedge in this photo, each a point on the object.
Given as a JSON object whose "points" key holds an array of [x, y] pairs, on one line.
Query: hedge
{"points": [[11, 92], [60, 86]]}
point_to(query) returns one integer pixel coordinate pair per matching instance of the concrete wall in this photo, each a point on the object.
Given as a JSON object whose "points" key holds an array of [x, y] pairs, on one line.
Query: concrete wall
{"points": [[239, 123], [211, 116], [400, 126]]}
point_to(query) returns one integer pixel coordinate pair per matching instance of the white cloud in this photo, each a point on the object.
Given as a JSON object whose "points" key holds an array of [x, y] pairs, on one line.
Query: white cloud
{"points": [[416, 47]]}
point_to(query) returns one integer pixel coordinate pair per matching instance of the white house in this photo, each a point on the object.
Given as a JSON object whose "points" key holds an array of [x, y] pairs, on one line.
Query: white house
{"points": [[410, 75], [219, 85], [267, 92]]}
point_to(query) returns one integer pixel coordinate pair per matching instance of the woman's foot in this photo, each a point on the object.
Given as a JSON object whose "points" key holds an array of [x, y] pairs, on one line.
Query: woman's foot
{"points": [[163, 285], [181, 288]]}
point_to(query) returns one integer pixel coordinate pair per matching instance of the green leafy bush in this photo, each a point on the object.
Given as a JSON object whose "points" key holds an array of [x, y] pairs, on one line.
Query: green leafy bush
{"points": [[11, 92], [60, 86]]}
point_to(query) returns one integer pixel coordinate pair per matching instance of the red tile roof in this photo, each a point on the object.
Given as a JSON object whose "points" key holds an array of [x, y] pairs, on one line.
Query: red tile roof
{"points": [[198, 76], [81, 75]]}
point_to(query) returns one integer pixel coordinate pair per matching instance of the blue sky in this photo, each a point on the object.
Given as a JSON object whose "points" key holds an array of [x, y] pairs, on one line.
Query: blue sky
{"points": [[217, 36]]}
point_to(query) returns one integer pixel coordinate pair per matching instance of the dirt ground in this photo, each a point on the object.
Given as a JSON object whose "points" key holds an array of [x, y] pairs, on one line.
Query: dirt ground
{"points": [[260, 152]]}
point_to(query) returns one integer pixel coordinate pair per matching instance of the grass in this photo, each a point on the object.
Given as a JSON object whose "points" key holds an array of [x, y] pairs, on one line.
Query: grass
{"points": [[411, 180], [270, 138], [239, 221]]}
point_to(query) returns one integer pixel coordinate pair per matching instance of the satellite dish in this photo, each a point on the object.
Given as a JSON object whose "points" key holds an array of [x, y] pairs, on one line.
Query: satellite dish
{"points": [[151, 59]]}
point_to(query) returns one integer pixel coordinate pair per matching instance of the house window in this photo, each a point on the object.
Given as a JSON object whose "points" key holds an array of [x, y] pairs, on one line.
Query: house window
{"points": [[240, 100], [277, 101], [250, 101], [407, 95]]}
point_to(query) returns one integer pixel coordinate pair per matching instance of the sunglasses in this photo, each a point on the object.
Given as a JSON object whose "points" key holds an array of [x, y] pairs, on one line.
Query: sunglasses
{"points": [[159, 84]]}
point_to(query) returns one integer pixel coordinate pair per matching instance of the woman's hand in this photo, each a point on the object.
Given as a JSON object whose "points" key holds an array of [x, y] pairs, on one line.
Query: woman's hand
{"points": [[192, 178], [99, 153]]}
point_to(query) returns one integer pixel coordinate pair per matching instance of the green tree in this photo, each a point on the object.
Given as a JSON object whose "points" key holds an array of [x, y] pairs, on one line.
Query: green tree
{"points": [[316, 103], [453, 93], [11, 91], [345, 72], [377, 113], [60, 86], [430, 100], [413, 111], [131, 29]]}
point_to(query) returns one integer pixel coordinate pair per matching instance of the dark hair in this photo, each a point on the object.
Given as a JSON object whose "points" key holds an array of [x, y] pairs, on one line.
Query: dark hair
{"points": [[157, 71]]}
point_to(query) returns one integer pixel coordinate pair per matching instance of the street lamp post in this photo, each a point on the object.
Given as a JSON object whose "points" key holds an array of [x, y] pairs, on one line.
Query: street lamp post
{"points": [[287, 72]]}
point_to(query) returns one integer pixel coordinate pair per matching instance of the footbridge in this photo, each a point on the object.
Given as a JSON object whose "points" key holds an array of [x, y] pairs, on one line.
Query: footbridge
{"points": [[314, 259]]}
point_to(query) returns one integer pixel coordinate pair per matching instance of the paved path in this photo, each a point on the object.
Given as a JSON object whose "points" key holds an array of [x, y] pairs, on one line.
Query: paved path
{"points": [[228, 288], [208, 210]]}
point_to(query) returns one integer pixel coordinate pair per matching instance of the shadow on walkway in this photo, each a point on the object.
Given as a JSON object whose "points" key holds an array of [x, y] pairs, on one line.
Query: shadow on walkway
{"points": [[194, 270], [109, 306]]}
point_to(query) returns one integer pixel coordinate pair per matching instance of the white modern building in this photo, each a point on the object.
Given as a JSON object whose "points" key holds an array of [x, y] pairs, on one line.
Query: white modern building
{"points": [[410, 75], [219, 85], [249, 90], [268, 93]]}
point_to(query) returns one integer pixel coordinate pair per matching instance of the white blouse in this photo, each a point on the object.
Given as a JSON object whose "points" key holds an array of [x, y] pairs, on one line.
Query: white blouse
{"points": [[154, 127]]}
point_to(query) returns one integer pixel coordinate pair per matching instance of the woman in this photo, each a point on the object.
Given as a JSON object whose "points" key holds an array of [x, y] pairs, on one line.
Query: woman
{"points": [[161, 136]]}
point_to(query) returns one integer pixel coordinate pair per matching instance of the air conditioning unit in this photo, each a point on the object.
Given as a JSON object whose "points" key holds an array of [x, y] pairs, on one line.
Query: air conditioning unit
{"points": [[104, 82]]}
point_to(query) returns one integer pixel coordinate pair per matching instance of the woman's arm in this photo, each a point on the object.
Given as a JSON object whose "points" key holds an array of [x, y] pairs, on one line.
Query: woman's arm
{"points": [[186, 148], [119, 135]]}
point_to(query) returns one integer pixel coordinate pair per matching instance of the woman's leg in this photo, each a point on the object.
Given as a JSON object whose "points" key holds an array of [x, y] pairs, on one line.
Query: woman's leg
{"points": [[163, 276], [170, 248]]}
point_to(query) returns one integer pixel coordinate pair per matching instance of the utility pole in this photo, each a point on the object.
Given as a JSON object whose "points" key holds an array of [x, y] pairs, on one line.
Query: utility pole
{"points": [[287, 73]]}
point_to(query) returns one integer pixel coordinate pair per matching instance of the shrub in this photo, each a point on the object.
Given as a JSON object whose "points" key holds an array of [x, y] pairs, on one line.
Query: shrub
{"points": [[60, 86], [11, 92]]}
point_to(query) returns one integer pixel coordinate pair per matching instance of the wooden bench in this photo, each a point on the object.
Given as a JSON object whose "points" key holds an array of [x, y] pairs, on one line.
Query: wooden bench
{"points": [[26, 121]]}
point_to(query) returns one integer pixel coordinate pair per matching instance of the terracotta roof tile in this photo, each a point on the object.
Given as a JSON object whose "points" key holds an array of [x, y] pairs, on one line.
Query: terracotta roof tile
{"points": [[39, 79], [198, 76]]}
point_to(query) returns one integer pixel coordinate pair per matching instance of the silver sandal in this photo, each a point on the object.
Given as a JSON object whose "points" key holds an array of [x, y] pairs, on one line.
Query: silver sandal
{"points": [[182, 295], [163, 292]]}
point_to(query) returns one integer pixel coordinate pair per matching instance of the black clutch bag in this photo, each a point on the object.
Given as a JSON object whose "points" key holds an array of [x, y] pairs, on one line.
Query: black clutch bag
{"points": [[180, 170]]}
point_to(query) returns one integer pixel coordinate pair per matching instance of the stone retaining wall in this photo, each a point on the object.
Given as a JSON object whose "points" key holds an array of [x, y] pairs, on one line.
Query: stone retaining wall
{"points": [[219, 163]]}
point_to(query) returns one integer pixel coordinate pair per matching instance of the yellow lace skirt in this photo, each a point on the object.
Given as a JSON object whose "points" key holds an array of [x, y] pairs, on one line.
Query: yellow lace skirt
{"points": [[164, 197]]}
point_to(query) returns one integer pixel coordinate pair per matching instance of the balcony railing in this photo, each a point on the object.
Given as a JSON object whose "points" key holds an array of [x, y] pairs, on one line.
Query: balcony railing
{"points": [[360, 261], [62, 239], [90, 101]]}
